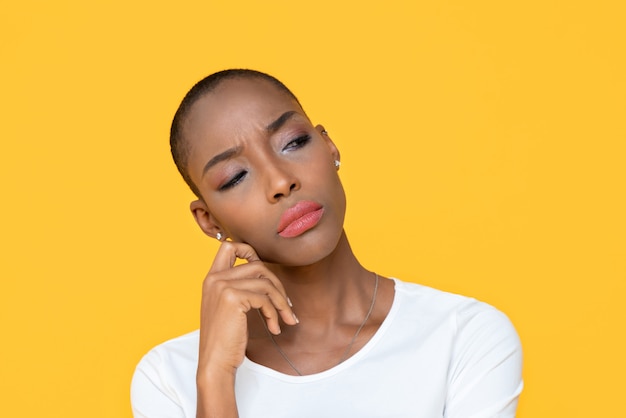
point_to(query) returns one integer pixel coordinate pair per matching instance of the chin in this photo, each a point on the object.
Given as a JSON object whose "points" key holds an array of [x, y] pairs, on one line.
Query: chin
{"points": [[303, 251]]}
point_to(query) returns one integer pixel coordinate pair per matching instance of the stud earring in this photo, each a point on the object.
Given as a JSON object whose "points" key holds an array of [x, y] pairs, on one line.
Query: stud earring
{"points": [[337, 163], [218, 236], [324, 132]]}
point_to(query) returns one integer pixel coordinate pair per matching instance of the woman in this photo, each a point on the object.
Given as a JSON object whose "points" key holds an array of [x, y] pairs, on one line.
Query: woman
{"points": [[302, 329]]}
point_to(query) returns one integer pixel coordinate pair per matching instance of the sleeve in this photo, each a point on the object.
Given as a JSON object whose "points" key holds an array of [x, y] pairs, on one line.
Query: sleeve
{"points": [[149, 394], [485, 375]]}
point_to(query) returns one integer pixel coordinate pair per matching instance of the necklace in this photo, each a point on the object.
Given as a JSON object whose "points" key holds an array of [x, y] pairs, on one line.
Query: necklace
{"points": [[348, 349]]}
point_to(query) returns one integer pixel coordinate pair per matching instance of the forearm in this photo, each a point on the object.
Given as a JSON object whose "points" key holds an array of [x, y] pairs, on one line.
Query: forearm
{"points": [[216, 395], [229, 292]]}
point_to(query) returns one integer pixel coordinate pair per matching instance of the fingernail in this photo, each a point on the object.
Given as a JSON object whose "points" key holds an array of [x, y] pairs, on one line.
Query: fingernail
{"points": [[295, 318], [289, 302]]}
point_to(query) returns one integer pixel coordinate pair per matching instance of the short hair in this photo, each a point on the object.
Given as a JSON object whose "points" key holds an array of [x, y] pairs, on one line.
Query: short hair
{"points": [[178, 145]]}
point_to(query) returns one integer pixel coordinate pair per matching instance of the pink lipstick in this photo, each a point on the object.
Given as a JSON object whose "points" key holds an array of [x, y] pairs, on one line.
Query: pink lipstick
{"points": [[299, 218]]}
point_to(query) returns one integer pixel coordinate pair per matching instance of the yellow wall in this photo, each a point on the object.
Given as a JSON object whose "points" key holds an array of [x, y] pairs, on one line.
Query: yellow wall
{"points": [[483, 147]]}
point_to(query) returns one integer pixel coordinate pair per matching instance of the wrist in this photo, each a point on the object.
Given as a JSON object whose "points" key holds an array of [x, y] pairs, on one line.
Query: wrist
{"points": [[208, 374], [216, 392]]}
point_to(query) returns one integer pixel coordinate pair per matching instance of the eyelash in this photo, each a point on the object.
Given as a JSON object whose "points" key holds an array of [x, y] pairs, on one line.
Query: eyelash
{"points": [[297, 143], [233, 181]]}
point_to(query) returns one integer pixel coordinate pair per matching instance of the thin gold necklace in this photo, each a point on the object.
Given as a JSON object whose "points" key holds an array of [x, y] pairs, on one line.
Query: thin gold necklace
{"points": [[348, 349]]}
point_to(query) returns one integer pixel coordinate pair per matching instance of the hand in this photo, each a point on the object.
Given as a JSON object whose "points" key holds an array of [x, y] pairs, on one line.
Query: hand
{"points": [[228, 293]]}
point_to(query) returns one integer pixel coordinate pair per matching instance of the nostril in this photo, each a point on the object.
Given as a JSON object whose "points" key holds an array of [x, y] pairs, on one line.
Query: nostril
{"points": [[292, 187]]}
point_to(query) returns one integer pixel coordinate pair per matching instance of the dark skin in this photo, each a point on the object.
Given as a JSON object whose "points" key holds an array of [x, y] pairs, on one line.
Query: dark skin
{"points": [[255, 154]]}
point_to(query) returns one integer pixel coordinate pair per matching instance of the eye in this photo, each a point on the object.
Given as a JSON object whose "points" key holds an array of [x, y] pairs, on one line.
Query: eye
{"points": [[299, 142], [233, 181]]}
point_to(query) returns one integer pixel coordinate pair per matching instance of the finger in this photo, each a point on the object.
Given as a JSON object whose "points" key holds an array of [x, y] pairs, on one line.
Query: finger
{"points": [[264, 286], [245, 300], [254, 270], [229, 252], [270, 313]]}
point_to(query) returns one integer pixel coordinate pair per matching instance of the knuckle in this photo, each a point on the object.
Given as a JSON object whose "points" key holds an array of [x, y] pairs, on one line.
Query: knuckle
{"points": [[257, 264], [267, 281], [214, 286], [218, 285], [229, 294], [263, 279], [227, 245], [269, 313], [207, 283]]}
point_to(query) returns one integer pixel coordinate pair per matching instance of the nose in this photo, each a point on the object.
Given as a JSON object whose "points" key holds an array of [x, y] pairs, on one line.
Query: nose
{"points": [[281, 182]]}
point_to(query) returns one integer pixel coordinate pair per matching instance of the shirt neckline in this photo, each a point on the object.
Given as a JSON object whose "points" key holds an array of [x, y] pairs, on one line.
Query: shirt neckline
{"points": [[349, 362]]}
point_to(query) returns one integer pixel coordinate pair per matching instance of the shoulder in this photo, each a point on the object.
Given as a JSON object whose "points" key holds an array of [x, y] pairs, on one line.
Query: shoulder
{"points": [[175, 351], [428, 300], [482, 349], [464, 317], [164, 379]]}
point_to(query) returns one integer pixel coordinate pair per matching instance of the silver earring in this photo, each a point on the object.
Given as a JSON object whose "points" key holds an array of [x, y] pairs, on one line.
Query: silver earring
{"points": [[324, 132], [218, 236], [337, 163]]}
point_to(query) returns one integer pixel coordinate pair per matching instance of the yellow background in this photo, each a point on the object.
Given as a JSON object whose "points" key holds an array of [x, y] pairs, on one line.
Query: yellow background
{"points": [[483, 147]]}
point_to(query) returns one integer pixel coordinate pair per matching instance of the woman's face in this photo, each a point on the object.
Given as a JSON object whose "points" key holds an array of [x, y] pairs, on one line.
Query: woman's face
{"points": [[266, 174]]}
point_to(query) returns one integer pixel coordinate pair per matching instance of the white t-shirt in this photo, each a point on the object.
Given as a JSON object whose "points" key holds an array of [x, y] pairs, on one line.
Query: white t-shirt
{"points": [[435, 355]]}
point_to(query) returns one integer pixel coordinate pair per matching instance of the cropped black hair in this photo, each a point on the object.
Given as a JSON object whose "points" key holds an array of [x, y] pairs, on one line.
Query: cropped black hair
{"points": [[179, 147]]}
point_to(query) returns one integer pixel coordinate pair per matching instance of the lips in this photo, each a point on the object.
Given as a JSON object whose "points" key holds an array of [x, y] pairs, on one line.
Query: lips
{"points": [[299, 218]]}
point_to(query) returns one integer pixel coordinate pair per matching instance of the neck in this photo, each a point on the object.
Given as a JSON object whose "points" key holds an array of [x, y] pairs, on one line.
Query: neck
{"points": [[329, 289]]}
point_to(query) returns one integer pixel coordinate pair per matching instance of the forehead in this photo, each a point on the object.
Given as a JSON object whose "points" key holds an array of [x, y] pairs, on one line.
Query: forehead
{"points": [[236, 105], [234, 112]]}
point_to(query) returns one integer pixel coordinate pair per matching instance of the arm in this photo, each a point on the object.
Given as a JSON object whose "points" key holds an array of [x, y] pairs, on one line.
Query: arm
{"points": [[229, 292], [216, 394], [161, 386]]}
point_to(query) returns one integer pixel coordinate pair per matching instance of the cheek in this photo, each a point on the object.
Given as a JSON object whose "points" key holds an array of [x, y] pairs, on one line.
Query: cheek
{"points": [[241, 220], [329, 182]]}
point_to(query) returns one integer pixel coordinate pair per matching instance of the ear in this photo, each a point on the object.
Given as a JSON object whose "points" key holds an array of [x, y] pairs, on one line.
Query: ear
{"points": [[329, 142], [206, 221]]}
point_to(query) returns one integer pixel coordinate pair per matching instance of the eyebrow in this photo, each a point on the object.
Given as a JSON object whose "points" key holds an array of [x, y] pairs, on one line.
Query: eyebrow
{"points": [[274, 126], [271, 128], [220, 157]]}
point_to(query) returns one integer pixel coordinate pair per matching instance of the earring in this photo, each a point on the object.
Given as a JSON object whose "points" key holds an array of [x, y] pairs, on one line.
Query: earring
{"points": [[337, 163], [324, 132], [218, 236]]}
